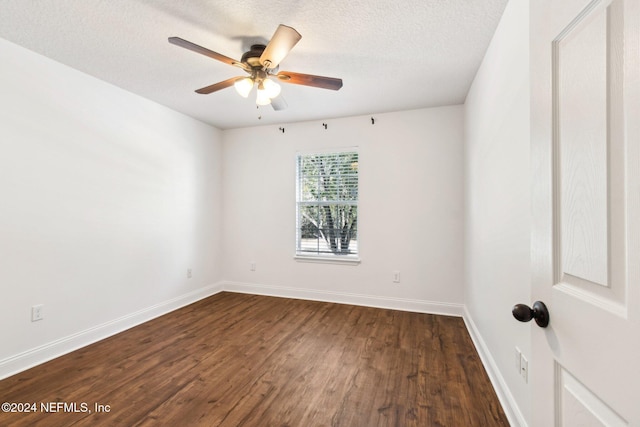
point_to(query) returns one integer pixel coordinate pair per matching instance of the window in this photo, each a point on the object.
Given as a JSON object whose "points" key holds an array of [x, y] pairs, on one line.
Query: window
{"points": [[327, 205]]}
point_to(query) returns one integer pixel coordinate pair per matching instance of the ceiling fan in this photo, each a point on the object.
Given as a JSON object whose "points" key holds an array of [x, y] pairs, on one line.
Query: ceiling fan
{"points": [[262, 64]]}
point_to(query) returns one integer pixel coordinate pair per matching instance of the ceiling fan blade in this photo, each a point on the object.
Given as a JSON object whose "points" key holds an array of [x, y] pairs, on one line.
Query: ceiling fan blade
{"points": [[283, 40], [206, 52], [310, 80], [218, 86], [279, 103]]}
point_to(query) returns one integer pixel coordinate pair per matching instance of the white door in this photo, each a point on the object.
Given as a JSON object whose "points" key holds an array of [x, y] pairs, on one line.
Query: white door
{"points": [[585, 110]]}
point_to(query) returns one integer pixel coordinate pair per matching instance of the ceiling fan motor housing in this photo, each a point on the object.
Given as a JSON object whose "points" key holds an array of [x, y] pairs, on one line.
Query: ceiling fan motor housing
{"points": [[252, 56]]}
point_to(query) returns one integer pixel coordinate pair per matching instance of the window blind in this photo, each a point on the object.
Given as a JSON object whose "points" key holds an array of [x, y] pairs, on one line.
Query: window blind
{"points": [[327, 204]]}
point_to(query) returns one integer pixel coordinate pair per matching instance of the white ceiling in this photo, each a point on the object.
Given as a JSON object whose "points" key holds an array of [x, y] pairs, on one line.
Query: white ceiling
{"points": [[391, 54]]}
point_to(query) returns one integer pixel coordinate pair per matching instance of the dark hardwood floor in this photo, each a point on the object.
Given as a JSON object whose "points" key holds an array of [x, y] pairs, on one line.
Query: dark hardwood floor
{"points": [[245, 360]]}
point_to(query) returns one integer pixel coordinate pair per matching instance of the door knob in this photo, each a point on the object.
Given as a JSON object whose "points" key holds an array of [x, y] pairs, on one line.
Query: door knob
{"points": [[539, 312]]}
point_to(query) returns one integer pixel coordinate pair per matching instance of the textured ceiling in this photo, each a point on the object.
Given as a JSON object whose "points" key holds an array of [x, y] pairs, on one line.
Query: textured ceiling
{"points": [[391, 55]]}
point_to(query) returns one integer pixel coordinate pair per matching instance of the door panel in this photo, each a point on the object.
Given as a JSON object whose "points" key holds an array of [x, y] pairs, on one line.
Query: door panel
{"points": [[580, 92], [585, 121], [588, 156], [580, 407]]}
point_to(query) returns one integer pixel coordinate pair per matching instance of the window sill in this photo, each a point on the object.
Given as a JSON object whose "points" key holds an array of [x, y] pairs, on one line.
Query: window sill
{"points": [[327, 260]]}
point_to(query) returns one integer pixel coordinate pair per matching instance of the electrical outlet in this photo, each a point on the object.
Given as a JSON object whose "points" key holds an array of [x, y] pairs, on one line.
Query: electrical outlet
{"points": [[396, 276], [36, 312], [252, 265], [189, 275], [524, 368]]}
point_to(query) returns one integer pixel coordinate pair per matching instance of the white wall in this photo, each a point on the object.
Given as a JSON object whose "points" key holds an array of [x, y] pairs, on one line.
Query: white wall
{"points": [[105, 200], [497, 200], [410, 210]]}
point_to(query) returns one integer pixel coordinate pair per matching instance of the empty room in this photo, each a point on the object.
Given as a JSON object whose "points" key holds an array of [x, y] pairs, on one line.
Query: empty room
{"points": [[408, 213]]}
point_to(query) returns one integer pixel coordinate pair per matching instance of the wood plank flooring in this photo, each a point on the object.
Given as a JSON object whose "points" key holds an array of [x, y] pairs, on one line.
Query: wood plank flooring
{"points": [[246, 360]]}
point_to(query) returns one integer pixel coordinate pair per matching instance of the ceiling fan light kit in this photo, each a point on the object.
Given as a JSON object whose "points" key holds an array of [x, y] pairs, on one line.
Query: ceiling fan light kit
{"points": [[272, 88], [262, 98], [262, 62], [243, 86]]}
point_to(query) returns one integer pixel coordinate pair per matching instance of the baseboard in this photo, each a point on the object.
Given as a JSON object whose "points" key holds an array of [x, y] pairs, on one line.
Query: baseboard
{"points": [[404, 304], [509, 404], [35, 356]]}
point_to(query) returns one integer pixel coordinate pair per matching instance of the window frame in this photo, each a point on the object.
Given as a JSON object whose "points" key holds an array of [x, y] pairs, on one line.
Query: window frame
{"points": [[346, 259]]}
